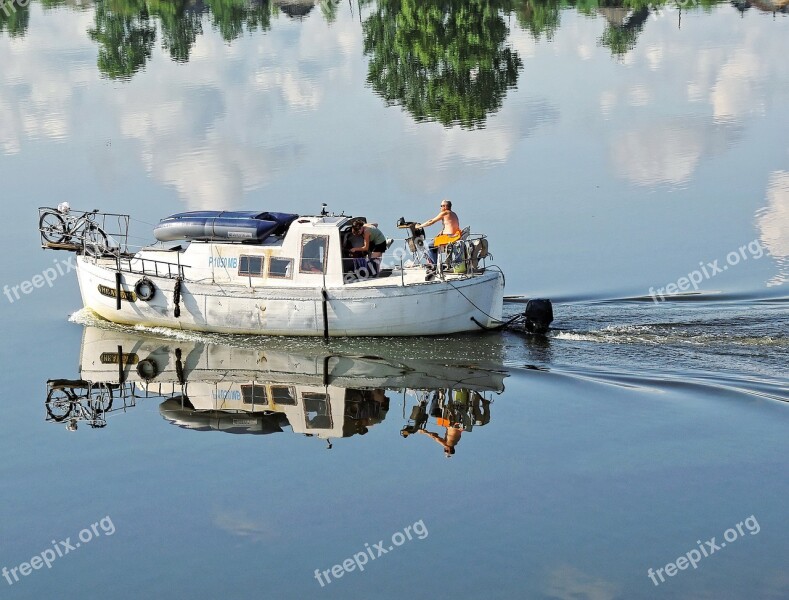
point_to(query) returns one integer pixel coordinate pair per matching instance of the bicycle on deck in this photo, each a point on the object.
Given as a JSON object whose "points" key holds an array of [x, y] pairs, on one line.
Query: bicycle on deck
{"points": [[58, 227]]}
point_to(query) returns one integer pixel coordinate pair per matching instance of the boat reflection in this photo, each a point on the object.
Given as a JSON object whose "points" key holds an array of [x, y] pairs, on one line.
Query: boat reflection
{"points": [[314, 391]]}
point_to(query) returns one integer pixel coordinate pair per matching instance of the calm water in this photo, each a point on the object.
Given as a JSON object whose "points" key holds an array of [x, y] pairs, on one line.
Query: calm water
{"points": [[608, 152]]}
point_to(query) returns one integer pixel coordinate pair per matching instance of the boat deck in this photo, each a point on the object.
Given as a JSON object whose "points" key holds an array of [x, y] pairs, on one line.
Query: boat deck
{"points": [[408, 276], [390, 278]]}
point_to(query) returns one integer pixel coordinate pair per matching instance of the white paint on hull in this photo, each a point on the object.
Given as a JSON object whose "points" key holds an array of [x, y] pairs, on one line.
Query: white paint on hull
{"points": [[379, 308]]}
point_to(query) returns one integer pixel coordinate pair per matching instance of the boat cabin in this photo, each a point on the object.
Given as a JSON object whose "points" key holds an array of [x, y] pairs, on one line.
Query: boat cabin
{"points": [[258, 249]]}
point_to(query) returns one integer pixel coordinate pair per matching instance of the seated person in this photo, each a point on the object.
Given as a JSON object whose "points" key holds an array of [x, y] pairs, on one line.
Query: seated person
{"points": [[449, 233], [373, 243]]}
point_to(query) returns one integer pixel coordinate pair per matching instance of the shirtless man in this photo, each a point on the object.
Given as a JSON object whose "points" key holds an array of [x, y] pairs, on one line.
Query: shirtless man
{"points": [[448, 442], [449, 218], [450, 231]]}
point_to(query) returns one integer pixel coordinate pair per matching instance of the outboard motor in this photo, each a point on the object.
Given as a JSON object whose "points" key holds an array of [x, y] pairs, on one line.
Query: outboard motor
{"points": [[538, 316]]}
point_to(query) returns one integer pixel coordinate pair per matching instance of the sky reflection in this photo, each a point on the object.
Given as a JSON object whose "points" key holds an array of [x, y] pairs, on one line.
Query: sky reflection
{"points": [[284, 108]]}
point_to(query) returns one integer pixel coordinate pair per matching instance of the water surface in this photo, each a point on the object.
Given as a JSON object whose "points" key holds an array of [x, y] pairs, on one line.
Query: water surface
{"points": [[628, 161]]}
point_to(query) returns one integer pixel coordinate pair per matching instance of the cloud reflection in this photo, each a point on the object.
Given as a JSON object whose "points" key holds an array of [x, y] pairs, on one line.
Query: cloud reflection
{"points": [[38, 93], [773, 224], [239, 524], [668, 151], [569, 583], [724, 86]]}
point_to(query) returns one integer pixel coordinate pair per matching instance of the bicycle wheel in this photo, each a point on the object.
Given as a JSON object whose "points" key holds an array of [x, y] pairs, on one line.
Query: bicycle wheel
{"points": [[96, 242], [59, 404], [100, 399], [53, 228]]}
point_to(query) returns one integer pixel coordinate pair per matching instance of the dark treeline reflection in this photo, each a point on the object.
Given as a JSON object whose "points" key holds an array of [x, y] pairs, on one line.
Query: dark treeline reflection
{"points": [[127, 30], [441, 60]]}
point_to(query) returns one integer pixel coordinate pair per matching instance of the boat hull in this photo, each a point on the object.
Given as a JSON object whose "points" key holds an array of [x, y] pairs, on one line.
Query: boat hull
{"points": [[430, 308]]}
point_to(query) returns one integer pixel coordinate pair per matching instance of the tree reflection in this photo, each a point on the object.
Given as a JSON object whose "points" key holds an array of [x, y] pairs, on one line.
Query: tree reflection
{"points": [[181, 23], [441, 60], [624, 26], [232, 17], [540, 17], [625, 18], [125, 35], [329, 9], [126, 32]]}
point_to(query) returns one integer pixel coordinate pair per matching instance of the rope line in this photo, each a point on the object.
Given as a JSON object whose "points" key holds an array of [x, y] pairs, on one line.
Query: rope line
{"points": [[474, 305]]}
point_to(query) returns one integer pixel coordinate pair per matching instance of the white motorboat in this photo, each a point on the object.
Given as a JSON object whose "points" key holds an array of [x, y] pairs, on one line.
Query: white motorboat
{"points": [[275, 274]]}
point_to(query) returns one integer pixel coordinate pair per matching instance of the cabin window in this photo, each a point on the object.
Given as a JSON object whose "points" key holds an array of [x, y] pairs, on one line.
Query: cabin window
{"points": [[254, 394], [280, 267], [317, 410], [250, 265], [283, 394], [313, 253]]}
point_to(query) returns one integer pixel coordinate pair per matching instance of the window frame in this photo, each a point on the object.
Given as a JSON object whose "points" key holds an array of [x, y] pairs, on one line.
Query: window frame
{"points": [[248, 392], [262, 272], [313, 236], [272, 395], [284, 259], [324, 397]]}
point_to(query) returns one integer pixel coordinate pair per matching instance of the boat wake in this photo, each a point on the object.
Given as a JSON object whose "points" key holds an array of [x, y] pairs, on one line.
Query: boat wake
{"points": [[739, 347], [667, 334], [696, 383]]}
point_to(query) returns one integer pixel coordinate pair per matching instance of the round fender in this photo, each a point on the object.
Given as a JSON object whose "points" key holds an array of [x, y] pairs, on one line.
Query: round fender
{"points": [[145, 289], [147, 369]]}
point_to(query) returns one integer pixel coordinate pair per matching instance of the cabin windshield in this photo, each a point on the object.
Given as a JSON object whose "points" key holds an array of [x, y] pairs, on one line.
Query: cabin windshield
{"points": [[313, 253], [317, 410]]}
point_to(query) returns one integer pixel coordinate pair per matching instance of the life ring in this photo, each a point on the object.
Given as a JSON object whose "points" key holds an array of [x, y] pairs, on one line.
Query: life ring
{"points": [[145, 289], [147, 369]]}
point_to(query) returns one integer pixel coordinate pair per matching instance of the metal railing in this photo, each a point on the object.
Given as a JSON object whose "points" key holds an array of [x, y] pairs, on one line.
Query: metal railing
{"points": [[464, 257], [149, 266], [100, 235], [91, 233]]}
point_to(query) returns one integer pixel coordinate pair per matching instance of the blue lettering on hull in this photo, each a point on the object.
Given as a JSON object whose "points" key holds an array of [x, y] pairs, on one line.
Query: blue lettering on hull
{"points": [[223, 263]]}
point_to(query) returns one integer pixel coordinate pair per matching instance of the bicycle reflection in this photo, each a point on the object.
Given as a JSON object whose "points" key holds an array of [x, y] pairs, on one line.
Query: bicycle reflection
{"points": [[75, 400]]}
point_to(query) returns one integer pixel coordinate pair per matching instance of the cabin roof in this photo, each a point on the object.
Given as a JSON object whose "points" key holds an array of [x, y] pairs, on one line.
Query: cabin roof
{"points": [[324, 221]]}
